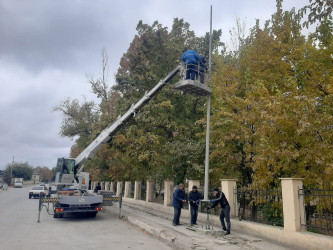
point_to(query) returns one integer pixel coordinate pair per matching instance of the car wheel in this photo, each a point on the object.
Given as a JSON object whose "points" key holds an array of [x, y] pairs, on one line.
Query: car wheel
{"points": [[29, 196], [61, 215], [55, 215]]}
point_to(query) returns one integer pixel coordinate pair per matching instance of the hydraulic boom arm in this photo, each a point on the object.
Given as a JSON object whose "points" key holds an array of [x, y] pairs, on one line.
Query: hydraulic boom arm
{"points": [[107, 134]]}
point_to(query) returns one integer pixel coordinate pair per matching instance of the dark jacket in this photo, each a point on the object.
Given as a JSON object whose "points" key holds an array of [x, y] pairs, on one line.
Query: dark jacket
{"points": [[202, 64], [221, 199], [97, 188], [194, 196], [191, 57], [178, 197]]}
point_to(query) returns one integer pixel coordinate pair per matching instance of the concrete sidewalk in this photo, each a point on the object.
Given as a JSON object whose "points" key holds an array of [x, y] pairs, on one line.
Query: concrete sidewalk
{"points": [[159, 224]]}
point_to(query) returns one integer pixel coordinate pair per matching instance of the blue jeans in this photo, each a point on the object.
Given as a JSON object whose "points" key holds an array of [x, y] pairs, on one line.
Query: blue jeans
{"points": [[194, 214], [225, 213], [177, 215]]}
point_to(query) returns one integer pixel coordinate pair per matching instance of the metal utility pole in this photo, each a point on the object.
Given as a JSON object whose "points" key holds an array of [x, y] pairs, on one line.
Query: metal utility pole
{"points": [[208, 111]]}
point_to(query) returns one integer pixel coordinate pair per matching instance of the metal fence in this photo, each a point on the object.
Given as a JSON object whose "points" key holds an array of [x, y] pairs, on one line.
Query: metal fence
{"points": [[131, 193], [158, 193], [143, 191], [263, 206], [196, 72], [318, 210]]}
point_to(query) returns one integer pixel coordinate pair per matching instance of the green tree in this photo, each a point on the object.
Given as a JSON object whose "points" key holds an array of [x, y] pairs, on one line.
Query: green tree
{"points": [[318, 10], [19, 170], [45, 174], [273, 105], [146, 146]]}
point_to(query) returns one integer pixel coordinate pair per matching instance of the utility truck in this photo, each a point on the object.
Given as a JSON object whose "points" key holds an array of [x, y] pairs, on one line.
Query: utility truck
{"points": [[72, 183], [18, 182]]}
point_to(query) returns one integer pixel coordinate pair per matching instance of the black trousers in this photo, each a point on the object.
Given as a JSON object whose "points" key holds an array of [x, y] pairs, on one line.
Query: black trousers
{"points": [[225, 213], [176, 215], [191, 72], [202, 77], [194, 214]]}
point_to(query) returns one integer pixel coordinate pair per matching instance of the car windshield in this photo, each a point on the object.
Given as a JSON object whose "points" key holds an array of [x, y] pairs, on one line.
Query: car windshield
{"points": [[37, 188]]}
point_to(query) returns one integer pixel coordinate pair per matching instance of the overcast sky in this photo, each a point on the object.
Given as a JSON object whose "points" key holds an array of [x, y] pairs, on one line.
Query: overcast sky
{"points": [[48, 47]]}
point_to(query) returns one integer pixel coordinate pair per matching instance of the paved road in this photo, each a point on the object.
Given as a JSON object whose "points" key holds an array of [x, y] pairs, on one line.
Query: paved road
{"points": [[19, 230]]}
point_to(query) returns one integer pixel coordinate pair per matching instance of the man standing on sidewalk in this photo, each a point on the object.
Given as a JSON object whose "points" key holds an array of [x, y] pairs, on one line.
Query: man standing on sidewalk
{"points": [[194, 198], [177, 202], [225, 213]]}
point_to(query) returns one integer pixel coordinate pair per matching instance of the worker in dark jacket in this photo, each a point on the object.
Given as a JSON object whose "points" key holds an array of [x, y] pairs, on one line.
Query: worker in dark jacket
{"points": [[98, 187], [225, 213], [191, 60], [177, 202], [202, 68], [194, 198]]}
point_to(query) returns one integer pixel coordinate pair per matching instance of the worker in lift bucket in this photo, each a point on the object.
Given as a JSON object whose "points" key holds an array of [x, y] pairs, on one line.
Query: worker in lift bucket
{"points": [[191, 60], [202, 68], [177, 202], [225, 212]]}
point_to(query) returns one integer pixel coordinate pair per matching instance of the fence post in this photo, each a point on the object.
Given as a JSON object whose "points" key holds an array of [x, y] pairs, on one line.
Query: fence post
{"points": [[94, 185], [292, 209], [127, 189], [107, 186], [228, 188], [150, 191], [192, 183], [112, 186], [119, 188], [137, 190], [168, 192]]}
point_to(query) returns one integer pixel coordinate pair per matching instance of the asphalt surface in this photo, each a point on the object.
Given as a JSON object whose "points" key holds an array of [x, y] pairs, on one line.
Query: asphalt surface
{"points": [[19, 228]]}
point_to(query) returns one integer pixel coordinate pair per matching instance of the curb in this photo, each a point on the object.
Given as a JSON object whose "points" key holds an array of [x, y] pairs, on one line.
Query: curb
{"points": [[162, 233]]}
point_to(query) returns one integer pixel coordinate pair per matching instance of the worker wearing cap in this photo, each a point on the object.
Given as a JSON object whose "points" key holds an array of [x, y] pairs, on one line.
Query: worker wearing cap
{"points": [[225, 213], [194, 198], [191, 60], [177, 202]]}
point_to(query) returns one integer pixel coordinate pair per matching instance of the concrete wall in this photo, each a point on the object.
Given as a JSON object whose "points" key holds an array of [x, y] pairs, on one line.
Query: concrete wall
{"points": [[293, 210], [150, 191], [137, 190], [127, 192], [168, 192], [297, 240], [119, 188]]}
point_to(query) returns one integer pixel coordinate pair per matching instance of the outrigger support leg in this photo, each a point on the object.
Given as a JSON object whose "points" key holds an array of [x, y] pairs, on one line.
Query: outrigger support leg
{"points": [[120, 204], [39, 208]]}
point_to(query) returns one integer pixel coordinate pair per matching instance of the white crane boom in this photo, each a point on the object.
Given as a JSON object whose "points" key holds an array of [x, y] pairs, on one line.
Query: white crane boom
{"points": [[107, 133]]}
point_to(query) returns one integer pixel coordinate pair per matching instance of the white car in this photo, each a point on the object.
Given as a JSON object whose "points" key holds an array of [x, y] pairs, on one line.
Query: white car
{"points": [[38, 191]]}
